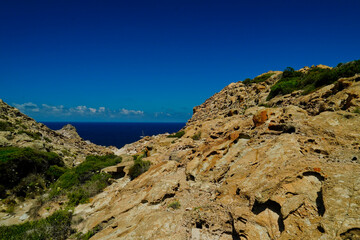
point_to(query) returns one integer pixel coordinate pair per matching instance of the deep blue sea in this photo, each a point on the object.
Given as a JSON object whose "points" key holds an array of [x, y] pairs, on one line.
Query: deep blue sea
{"points": [[117, 134]]}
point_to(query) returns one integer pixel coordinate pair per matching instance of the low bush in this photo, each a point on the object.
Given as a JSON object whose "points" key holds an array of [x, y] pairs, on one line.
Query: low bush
{"points": [[22, 167], [258, 79], [315, 78], [140, 166], [247, 81], [85, 180], [33, 135], [6, 126], [262, 78], [177, 135], [78, 196], [30, 186], [197, 136], [56, 226], [89, 234], [54, 172], [174, 205]]}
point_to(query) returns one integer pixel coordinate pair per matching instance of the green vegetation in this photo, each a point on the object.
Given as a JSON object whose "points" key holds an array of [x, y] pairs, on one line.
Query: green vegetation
{"points": [[54, 172], [357, 110], [197, 136], [258, 79], [25, 170], [10, 205], [247, 81], [177, 135], [56, 226], [140, 166], [89, 234], [174, 205], [6, 126], [85, 180], [262, 78], [315, 78], [33, 135]]}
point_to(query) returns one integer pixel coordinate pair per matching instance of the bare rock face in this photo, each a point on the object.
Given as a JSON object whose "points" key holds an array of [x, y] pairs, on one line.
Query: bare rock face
{"points": [[69, 131], [245, 169]]}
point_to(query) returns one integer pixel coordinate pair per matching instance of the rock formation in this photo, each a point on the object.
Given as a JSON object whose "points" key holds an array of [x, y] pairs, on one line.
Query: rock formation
{"points": [[246, 168], [23, 131]]}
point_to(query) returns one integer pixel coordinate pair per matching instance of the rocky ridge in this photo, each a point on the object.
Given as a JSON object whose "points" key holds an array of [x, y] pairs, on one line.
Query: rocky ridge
{"points": [[246, 168], [22, 131]]}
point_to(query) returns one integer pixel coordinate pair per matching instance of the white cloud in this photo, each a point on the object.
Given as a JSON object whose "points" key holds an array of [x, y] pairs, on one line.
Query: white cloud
{"points": [[82, 110], [129, 112], [53, 108], [27, 107], [92, 110], [162, 114]]}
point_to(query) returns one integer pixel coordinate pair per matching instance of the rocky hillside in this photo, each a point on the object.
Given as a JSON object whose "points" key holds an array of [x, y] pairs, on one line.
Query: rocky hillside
{"points": [[274, 157], [244, 168], [17, 129]]}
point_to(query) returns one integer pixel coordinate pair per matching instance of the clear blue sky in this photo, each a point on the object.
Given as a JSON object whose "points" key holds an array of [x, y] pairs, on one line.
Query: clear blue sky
{"points": [[154, 61]]}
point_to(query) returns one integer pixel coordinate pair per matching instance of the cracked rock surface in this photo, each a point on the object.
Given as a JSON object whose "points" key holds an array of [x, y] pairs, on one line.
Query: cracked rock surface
{"points": [[286, 171], [246, 168]]}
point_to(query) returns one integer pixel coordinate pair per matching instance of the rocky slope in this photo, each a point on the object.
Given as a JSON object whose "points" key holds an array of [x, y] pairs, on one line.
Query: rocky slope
{"points": [[19, 130], [246, 168]]}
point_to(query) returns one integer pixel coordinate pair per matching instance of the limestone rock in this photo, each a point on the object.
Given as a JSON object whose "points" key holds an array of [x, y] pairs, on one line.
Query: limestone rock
{"points": [[288, 169]]}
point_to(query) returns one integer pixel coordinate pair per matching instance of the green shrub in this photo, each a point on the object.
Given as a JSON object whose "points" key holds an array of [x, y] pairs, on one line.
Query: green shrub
{"points": [[85, 180], [177, 135], [315, 78], [262, 78], [30, 186], [197, 136], [54, 172], [6, 126], [247, 81], [174, 205], [77, 197], [83, 192], [33, 135], [283, 87], [56, 226], [23, 166], [357, 110], [10, 204], [139, 166], [258, 79], [289, 72], [89, 234]]}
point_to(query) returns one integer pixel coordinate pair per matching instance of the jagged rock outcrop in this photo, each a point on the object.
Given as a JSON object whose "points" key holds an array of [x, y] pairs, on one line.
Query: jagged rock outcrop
{"points": [[246, 168], [22, 131]]}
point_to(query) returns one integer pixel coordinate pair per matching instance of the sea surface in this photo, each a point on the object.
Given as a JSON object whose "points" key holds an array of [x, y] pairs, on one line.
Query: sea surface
{"points": [[117, 134]]}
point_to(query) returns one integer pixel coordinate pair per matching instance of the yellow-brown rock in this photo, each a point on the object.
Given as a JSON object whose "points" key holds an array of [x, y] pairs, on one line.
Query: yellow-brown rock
{"points": [[246, 168], [290, 171]]}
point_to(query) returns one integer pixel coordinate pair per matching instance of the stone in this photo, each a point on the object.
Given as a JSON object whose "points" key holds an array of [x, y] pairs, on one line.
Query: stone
{"points": [[287, 168], [24, 217]]}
